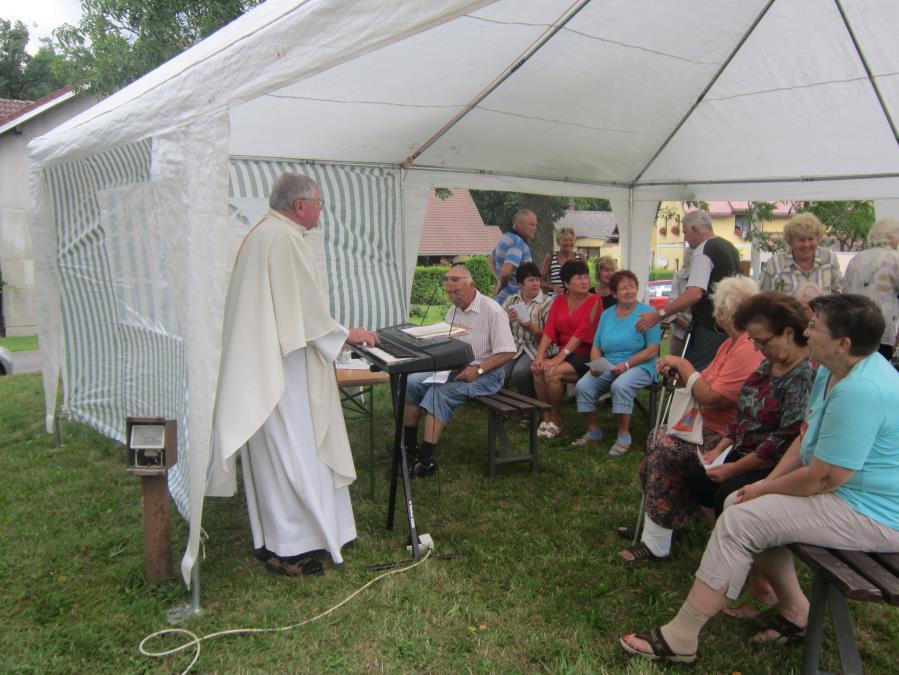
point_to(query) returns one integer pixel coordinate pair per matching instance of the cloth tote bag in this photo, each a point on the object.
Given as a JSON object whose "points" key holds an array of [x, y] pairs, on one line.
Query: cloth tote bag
{"points": [[685, 418]]}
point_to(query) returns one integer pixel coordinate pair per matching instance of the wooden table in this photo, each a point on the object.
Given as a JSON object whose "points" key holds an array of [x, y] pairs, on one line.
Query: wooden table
{"points": [[354, 385]]}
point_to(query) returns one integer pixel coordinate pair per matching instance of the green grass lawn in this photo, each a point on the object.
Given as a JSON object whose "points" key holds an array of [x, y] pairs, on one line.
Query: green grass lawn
{"points": [[23, 343], [534, 583]]}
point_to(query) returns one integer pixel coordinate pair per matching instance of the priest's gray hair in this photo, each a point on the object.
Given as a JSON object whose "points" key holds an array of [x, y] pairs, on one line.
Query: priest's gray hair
{"points": [[290, 187], [701, 220]]}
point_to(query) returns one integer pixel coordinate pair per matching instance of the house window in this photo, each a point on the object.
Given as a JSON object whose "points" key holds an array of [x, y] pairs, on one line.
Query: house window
{"points": [[743, 227]]}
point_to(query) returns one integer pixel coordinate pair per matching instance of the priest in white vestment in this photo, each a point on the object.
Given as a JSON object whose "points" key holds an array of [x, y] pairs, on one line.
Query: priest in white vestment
{"points": [[277, 401]]}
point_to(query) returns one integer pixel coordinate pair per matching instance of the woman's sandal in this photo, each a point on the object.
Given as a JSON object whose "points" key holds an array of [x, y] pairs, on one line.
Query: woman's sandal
{"points": [[660, 649], [551, 430], [641, 552], [786, 630], [618, 448]]}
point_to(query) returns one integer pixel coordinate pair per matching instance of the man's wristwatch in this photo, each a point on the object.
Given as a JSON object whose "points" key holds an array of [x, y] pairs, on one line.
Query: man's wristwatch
{"points": [[662, 312], [480, 371], [566, 352]]}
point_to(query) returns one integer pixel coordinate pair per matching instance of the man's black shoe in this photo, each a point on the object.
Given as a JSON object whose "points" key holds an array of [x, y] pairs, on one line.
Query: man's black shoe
{"points": [[423, 470]]}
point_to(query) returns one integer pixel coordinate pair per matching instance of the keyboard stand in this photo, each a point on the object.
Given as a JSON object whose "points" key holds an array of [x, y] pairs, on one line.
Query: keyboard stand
{"points": [[401, 461]]}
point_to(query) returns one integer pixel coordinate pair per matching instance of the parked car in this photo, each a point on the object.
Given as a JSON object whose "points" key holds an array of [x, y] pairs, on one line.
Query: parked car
{"points": [[658, 292]]}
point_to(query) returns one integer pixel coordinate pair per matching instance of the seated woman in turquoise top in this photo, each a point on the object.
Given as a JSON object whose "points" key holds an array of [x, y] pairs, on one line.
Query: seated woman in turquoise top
{"points": [[633, 356], [836, 487]]}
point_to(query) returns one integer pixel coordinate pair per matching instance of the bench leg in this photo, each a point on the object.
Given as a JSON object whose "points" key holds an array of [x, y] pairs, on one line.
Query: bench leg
{"points": [[532, 440], [491, 445], [814, 632], [824, 595], [844, 632], [503, 436]]}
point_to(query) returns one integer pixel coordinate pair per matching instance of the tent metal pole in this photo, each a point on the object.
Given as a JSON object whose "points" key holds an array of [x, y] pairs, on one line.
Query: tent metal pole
{"points": [[558, 25], [705, 91], [868, 71], [181, 614], [757, 181], [402, 200], [513, 174]]}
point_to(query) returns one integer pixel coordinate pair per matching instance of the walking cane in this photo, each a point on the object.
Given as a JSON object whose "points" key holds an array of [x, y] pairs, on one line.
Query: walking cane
{"points": [[661, 414]]}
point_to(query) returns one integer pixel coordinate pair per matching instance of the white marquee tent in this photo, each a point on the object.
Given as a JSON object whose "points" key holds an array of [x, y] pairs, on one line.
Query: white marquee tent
{"points": [[142, 200]]}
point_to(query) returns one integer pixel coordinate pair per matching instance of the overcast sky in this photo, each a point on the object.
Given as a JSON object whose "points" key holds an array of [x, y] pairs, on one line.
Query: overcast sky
{"points": [[41, 16]]}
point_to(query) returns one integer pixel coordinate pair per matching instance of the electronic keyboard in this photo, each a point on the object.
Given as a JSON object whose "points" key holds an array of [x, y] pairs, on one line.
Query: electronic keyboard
{"points": [[398, 352]]}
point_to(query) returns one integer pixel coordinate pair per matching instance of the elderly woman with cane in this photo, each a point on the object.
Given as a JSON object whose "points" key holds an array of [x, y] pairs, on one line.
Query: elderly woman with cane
{"points": [[836, 487], [670, 459]]}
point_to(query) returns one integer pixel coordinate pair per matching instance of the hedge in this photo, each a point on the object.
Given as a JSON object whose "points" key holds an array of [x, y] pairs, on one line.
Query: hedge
{"points": [[426, 279], [424, 282], [480, 272]]}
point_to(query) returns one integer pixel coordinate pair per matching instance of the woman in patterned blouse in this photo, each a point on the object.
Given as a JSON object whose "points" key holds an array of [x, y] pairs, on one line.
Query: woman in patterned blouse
{"points": [[805, 263], [772, 401]]}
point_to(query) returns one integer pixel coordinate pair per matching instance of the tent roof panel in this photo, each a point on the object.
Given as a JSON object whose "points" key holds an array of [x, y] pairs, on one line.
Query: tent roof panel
{"points": [[507, 142], [289, 40], [326, 131], [805, 132], [594, 106], [794, 101]]}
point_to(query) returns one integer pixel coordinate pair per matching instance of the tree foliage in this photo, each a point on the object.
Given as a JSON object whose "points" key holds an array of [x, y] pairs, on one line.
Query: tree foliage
{"points": [[117, 41], [23, 76], [847, 222], [498, 208]]}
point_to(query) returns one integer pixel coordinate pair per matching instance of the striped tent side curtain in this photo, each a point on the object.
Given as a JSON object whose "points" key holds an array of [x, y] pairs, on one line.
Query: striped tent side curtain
{"points": [[124, 353], [124, 356], [358, 230]]}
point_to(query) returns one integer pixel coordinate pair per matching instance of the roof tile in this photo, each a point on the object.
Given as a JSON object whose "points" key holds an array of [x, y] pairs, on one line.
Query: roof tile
{"points": [[454, 226]]}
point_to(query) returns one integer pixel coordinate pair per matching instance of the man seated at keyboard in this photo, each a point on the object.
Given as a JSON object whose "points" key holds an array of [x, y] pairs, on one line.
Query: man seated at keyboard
{"points": [[493, 345]]}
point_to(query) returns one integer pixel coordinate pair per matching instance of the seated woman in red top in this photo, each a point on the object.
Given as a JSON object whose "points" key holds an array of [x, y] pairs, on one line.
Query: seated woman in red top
{"points": [[570, 326]]}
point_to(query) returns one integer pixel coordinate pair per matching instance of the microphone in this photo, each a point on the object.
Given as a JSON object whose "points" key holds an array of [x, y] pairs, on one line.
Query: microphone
{"points": [[431, 302]]}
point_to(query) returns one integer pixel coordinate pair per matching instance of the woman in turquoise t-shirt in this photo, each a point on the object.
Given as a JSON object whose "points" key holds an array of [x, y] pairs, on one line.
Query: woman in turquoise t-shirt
{"points": [[837, 486], [632, 356]]}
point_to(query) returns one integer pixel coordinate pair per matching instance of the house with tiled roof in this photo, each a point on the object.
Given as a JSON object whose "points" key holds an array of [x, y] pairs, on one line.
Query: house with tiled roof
{"points": [[20, 122], [9, 106], [730, 220], [454, 227], [596, 232]]}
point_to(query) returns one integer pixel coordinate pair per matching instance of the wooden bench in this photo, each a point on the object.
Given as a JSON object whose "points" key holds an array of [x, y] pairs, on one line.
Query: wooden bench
{"points": [[838, 575], [500, 407]]}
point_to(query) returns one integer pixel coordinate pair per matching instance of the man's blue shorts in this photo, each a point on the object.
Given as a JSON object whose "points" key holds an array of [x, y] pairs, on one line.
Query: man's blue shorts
{"points": [[442, 399]]}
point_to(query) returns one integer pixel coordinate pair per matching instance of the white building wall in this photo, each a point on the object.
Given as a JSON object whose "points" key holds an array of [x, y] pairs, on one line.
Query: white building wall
{"points": [[16, 261]]}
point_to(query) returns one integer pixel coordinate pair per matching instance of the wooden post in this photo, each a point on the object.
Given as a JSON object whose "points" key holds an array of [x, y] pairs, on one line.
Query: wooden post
{"points": [[151, 453], [156, 526]]}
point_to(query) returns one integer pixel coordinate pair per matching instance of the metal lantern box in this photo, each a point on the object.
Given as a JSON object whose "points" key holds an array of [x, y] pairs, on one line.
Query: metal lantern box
{"points": [[152, 444]]}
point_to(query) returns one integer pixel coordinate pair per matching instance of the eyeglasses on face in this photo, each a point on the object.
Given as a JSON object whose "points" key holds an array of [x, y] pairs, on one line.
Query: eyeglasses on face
{"points": [[813, 327], [761, 344], [319, 201]]}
